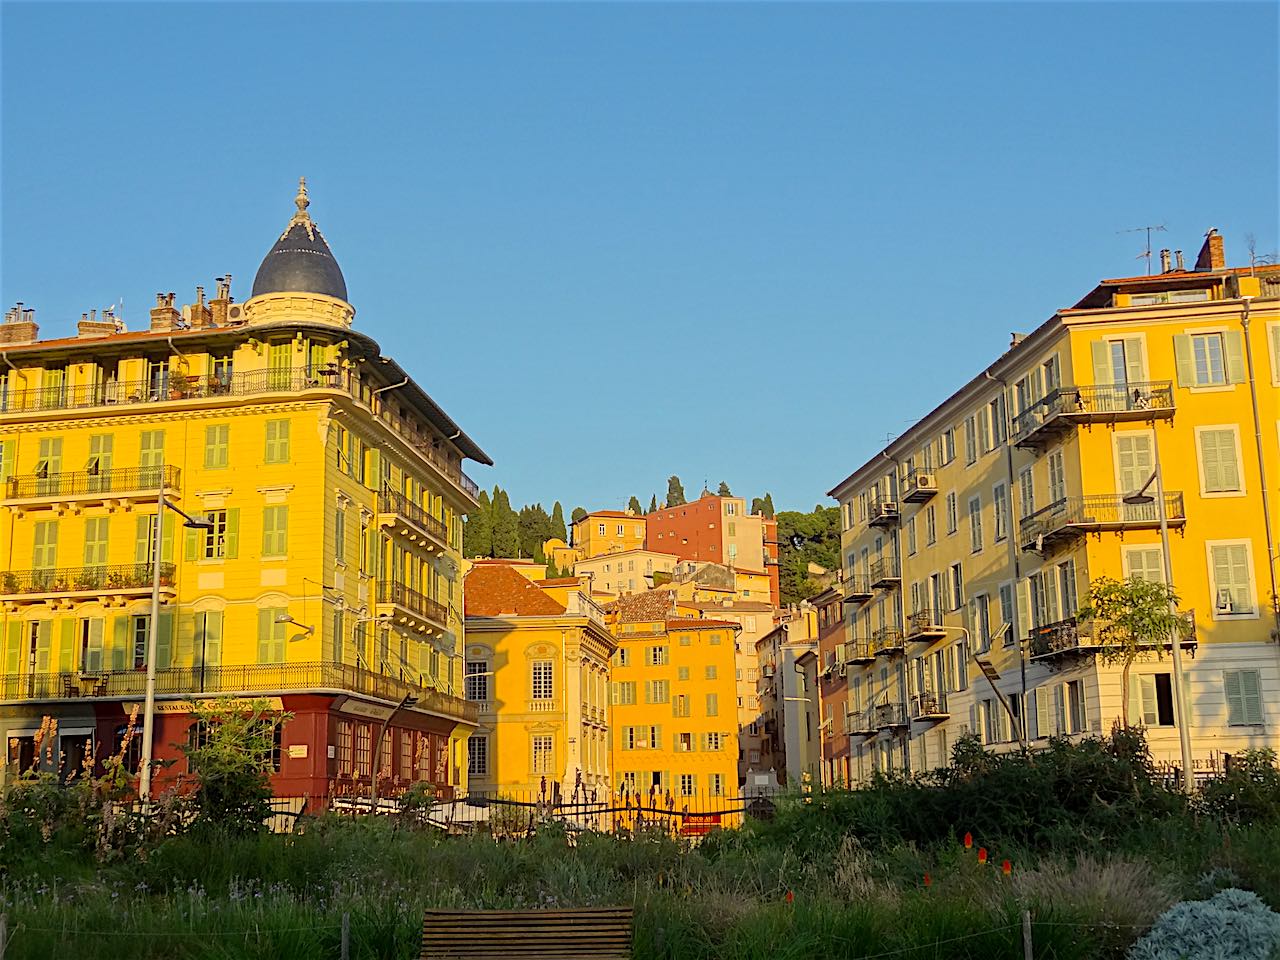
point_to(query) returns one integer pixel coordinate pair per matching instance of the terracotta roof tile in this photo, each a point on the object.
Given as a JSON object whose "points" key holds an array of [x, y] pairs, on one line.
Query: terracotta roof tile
{"points": [[642, 607], [492, 591], [692, 624]]}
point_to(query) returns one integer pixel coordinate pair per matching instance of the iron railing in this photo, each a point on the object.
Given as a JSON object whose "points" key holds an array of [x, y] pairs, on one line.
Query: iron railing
{"points": [[856, 587], [913, 485], [1073, 635], [890, 715], [1097, 511], [82, 483], [176, 387], [391, 501], [103, 579], [885, 569], [927, 703], [254, 678], [887, 640], [883, 510], [1085, 403], [924, 621], [858, 651], [392, 591]]}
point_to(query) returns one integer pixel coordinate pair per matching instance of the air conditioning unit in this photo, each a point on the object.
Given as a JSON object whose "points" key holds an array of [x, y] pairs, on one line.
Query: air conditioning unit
{"points": [[927, 480]]}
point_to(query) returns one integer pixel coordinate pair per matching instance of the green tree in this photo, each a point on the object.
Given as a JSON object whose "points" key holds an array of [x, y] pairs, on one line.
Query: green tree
{"points": [[768, 510], [634, 506], [1129, 618], [477, 529], [675, 492], [806, 538], [231, 754], [535, 529], [723, 490], [653, 503], [506, 528], [557, 523], [578, 514]]}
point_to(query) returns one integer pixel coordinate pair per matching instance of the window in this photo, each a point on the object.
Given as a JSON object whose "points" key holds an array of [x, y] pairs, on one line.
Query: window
{"points": [[713, 705], [953, 510], [1230, 573], [970, 440], [1151, 699], [911, 536], [712, 741], [1026, 494], [214, 545], [713, 639], [476, 680], [680, 705], [1219, 460], [623, 656], [600, 529], [478, 755], [340, 534], [684, 743], [1006, 612], [730, 508], [685, 639], [277, 450], [930, 526], [216, 446], [275, 531], [364, 750], [1244, 697], [345, 744], [1067, 588], [656, 656], [543, 680], [1057, 477], [1145, 563], [975, 524], [957, 587], [623, 693], [688, 784], [271, 634], [711, 671], [1000, 511], [542, 747], [682, 673], [1207, 353], [999, 422], [657, 691], [715, 782]]}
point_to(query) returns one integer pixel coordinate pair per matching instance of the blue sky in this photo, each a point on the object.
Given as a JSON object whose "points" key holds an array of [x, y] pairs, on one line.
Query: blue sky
{"points": [[739, 242]]}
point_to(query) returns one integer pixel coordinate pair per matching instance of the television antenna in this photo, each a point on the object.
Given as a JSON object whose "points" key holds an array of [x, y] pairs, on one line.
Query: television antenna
{"points": [[1151, 228]]}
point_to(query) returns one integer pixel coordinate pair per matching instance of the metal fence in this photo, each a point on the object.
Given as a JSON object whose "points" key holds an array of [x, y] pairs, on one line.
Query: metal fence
{"points": [[1084, 403], [123, 576], [1097, 510], [89, 482], [392, 591]]}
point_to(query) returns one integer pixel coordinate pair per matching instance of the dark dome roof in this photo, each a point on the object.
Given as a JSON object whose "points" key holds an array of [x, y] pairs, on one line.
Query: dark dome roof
{"points": [[300, 261]]}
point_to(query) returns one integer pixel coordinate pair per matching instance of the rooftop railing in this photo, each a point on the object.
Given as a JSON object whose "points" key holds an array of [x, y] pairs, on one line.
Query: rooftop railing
{"points": [[88, 483]]}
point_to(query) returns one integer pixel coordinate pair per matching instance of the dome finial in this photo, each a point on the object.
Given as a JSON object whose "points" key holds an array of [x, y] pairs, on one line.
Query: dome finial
{"points": [[301, 199]]}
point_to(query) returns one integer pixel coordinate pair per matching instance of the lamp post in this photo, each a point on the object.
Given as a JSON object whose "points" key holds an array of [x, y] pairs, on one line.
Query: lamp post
{"points": [[1179, 702], [153, 634], [408, 700]]}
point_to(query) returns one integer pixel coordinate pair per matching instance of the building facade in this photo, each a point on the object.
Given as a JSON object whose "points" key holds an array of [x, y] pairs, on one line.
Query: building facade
{"points": [[325, 577], [626, 571], [537, 667], [970, 542], [608, 531], [714, 529], [789, 698]]}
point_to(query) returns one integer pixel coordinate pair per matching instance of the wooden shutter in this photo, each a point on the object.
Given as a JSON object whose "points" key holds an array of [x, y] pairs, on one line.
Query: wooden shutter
{"points": [[207, 646], [142, 543], [120, 646], [13, 647], [1133, 365], [45, 554], [1235, 697], [1101, 363], [266, 626], [1275, 356], [44, 645], [1059, 709], [231, 542], [1184, 360], [93, 649], [1251, 696], [1044, 726], [7, 449], [67, 646], [1233, 356], [164, 640]]}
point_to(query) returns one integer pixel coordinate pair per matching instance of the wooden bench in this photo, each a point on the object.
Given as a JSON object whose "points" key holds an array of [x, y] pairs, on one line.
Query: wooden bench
{"points": [[594, 933]]}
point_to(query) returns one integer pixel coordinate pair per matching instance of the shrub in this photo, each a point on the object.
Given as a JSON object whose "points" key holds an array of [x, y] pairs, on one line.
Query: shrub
{"points": [[1234, 924], [1248, 793]]}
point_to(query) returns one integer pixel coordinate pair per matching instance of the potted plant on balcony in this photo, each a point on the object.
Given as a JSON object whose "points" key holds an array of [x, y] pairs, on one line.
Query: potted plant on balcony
{"points": [[179, 385], [9, 582]]}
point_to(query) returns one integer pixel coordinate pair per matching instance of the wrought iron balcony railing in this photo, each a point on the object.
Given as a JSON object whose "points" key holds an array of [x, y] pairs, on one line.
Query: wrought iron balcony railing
{"points": [[254, 678], [928, 705], [1072, 516], [883, 512], [393, 502], [104, 579], [925, 624], [394, 592], [91, 483], [919, 486], [885, 572], [888, 715], [858, 652], [175, 387], [1066, 406], [887, 641], [1074, 636], [856, 588]]}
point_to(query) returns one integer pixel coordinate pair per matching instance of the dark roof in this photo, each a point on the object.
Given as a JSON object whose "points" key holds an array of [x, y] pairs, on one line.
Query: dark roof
{"points": [[300, 261]]}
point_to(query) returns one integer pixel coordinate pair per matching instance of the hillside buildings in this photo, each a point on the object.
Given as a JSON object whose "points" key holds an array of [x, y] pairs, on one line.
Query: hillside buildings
{"points": [[970, 541], [323, 574]]}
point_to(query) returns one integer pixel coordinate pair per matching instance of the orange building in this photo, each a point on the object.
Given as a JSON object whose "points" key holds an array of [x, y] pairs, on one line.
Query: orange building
{"points": [[718, 530], [608, 531]]}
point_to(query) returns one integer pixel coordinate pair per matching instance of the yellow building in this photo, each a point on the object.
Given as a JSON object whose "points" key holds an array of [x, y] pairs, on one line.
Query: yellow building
{"points": [[537, 667], [608, 531], [989, 518], [626, 571], [327, 577], [674, 715]]}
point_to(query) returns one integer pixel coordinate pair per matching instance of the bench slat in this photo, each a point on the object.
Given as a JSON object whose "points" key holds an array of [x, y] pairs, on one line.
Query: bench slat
{"points": [[589, 933]]}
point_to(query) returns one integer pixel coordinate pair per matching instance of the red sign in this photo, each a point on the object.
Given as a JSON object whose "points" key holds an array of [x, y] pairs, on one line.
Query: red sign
{"points": [[698, 824]]}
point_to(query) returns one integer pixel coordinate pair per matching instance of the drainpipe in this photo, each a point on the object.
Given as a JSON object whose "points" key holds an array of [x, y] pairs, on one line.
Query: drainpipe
{"points": [[391, 387], [4, 355], [902, 607], [1014, 554], [1262, 473]]}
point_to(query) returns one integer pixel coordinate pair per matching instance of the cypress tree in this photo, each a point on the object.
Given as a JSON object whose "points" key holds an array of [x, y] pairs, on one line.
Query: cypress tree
{"points": [[477, 529], [557, 523], [768, 506], [675, 492], [653, 504], [724, 490], [506, 532], [634, 506]]}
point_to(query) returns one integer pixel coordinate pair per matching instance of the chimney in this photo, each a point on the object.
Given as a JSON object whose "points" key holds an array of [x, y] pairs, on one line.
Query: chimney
{"points": [[1177, 256], [198, 314], [1164, 260], [93, 327], [1211, 256], [221, 302], [19, 326], [164, 316]]}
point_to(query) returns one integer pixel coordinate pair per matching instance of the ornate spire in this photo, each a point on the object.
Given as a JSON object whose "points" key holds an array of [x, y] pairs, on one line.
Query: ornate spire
{"points": [[301, 218]]}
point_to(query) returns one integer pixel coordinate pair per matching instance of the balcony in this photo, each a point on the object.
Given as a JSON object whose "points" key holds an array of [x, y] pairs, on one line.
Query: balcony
{"points": [[856, 588], [410, 608], [929, 707], [1062, 409], [920, 486], [883, 512], [887, 642], [858, 652], [84, 583], [859, 724], [411, 522], [87, 488], [925, 626], [1072, 638], [1073, 517], [890, 716], [211, 390], [885, 573], [269, 678], [543, 705]]}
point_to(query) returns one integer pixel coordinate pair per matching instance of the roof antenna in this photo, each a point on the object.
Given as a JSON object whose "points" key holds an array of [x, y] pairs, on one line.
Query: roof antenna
{"points": [[1157, 228]]}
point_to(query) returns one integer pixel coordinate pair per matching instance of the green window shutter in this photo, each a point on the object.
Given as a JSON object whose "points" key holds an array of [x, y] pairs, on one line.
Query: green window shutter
{"points": [[213, 638], [373, 469], [44, 646], [1251, 696], [93, 652], [164, 640], [231, 542], [45, 552], [1101, 363], [121, 648], [216, 441], [95, 541], [7, 448], [142, 543], [67, 646], [13, 649], [265, 625], [1233, 355], [1133, 359], [275, 531], [277, 447], [100, 448], [1275, 362], [1235, 697], [191, 544], [168, 530], [152, 449], [1184, 360]]}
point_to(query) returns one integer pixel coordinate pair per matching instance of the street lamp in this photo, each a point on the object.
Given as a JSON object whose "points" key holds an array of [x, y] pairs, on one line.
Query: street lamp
{"points": [[153, 634], [1141, 497], [408, 700]]}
